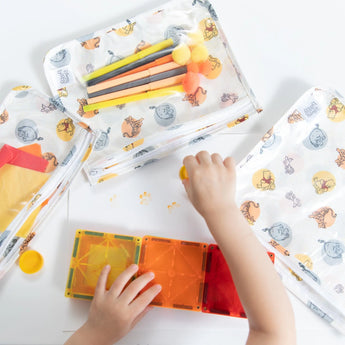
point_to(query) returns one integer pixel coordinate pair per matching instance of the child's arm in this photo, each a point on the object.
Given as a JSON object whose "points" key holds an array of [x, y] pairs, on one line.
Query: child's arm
{"points": [[211, 189], [115, 312]]}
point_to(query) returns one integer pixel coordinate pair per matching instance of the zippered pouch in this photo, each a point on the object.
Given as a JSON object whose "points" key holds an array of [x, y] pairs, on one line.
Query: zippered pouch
{"points": [[42, 149], [291, 190], [133, 134]]}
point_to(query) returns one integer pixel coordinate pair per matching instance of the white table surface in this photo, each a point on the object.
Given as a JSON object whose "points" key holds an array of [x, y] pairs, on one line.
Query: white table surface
{"points": [[283, 48]]}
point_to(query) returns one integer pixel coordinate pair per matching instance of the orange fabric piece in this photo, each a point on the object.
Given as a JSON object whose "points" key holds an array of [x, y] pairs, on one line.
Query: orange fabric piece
{"points": [[34, 149]]}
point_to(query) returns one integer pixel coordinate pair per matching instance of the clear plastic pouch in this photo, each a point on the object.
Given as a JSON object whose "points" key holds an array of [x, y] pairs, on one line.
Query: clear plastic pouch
{"points": [[134, 134], [291, 190], [42, 148]]}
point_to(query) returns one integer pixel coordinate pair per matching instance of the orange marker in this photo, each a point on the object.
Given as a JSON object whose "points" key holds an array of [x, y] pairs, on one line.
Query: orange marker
{"points": [[158, 62]]}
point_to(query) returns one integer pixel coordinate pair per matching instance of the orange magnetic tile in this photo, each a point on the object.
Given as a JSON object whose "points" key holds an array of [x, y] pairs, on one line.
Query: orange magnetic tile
{"points": [[179, 266], [91, 252]]}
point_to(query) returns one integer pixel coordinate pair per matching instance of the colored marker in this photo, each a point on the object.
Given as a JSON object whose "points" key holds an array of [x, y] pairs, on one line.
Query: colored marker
{"points": [[111, 92], [106, 70], [139, 89], [134, 98], [106, 86]]}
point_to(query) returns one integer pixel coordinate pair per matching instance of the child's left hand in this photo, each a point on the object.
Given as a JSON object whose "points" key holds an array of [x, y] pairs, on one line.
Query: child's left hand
{"points": [[114, 312]]}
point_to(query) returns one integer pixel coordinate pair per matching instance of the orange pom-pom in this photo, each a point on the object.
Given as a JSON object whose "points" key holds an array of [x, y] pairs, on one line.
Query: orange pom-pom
{"points": [[191, 82], [193, 67], [205, 67]]}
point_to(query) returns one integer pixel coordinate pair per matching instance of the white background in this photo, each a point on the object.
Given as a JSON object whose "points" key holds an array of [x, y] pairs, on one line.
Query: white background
{"points": [[283, 48]]}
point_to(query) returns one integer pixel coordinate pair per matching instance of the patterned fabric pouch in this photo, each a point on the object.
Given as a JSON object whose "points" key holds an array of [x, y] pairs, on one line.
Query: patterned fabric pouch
{"points": [[291, 190], [134, 134], [42, 148]]}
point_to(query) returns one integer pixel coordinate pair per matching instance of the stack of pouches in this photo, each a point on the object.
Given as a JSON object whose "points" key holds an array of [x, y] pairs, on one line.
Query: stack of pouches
{"points": [[194, 276], [291, 190]]}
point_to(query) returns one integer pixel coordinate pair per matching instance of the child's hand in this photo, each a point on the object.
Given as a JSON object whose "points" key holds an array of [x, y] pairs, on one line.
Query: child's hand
{"points": [[114, 313], [211, 183]]}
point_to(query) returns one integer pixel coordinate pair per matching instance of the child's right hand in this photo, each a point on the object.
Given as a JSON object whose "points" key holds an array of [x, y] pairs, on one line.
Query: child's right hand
{"points": [[211, 183], [114, 312]]}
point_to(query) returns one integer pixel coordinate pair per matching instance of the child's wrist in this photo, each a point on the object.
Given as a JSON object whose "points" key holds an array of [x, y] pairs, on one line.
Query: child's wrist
{"points": [[213, 215], [89, 336]]}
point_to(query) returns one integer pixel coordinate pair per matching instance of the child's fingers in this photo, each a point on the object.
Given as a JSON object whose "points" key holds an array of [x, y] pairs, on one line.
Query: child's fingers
{"points": [[190, 163], [204, 157], [122, 280], [135, 287], [217, 159], [141, 302], [102, 281], [229, 163]]}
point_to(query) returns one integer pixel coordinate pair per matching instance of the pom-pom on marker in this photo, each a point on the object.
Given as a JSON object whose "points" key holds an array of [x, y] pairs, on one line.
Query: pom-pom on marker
{"points": [[181, 54], [183, 173], [199, 53], [191, 82]]}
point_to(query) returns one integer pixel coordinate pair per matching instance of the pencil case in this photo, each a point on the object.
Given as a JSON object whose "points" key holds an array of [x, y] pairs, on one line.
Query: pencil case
{"points": [[194, 276], [291, 190], [131, 135], [42, 149]]}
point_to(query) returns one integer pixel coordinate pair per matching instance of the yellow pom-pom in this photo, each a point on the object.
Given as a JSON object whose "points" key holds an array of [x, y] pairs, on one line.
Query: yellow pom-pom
{"points": [[196, 37], [199, 53], [181, 54], [183, 173]]}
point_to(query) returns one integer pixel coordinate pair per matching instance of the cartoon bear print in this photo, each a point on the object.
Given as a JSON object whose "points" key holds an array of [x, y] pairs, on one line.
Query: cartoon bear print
{"points": [[266, 182], [65, 129], [336, 110], [131, 127], [324, 216], [323, 182], [208, 28]]}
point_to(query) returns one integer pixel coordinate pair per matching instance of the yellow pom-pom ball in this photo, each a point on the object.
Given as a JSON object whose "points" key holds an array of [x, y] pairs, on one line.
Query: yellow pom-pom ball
{"points": [[181, 54], [196, 37], [199, 53]]}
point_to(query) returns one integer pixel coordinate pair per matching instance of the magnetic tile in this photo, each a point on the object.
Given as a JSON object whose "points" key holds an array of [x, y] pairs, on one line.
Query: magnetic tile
{"points": [[179, 266], [91, 252], [220, 295]]}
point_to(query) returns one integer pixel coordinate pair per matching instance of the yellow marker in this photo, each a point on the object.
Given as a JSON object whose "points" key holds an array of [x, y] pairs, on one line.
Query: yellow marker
{"points": [[134, 98], [30, 261], [129, 59], [183, 173]]}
